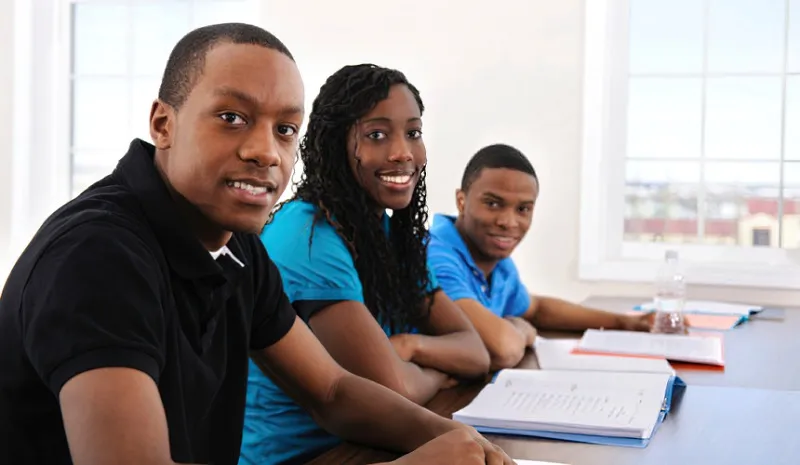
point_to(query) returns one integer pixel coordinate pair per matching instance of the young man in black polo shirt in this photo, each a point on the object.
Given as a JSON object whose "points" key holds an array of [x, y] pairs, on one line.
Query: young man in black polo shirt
{"points": [[126, 323]]}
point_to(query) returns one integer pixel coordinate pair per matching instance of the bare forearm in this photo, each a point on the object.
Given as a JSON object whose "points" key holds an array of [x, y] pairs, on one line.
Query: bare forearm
{"points": [[557, 314], [358, 411], [460, 354], [421, 383]]}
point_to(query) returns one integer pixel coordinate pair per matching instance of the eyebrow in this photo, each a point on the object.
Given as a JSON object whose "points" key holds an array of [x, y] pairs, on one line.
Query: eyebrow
{"points": [[384, 119], [248, 99], [497, 197]]}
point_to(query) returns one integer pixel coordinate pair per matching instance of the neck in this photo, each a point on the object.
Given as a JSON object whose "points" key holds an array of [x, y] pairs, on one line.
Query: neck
{"points": [[484, 263], [211, 235]]}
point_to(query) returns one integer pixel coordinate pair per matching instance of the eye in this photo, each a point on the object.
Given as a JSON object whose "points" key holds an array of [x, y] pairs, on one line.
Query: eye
{"points": [[232, 118], [525, 209], [415, 134], [287, 130], [492, 203], [376, 135]]}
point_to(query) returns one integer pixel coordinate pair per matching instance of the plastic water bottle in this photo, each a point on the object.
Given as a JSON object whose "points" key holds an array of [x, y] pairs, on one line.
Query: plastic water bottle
{"points": [[670, 296]]}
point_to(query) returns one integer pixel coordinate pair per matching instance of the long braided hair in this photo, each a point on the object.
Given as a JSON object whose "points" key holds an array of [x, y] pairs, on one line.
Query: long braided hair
{"points": [[392, 268]]}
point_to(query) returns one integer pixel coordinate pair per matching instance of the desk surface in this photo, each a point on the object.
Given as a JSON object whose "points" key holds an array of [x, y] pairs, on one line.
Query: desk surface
{"points": [[714, 420]]}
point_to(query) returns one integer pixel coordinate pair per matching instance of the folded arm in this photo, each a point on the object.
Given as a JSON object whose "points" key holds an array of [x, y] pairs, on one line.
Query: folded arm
{"points": [[346, 405], [354, 339], [505, 339], [449, 343]]}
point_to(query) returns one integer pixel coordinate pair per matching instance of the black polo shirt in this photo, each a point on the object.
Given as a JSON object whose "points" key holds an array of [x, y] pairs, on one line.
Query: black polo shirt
{"points": [[115, 279]]}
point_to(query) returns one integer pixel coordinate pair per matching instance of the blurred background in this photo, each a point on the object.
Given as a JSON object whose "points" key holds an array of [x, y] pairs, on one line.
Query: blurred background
{"points": [[653, 124]]}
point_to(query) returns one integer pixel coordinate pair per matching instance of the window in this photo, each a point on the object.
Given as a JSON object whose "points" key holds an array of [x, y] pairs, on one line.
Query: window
{"points": [[761, 237], [119, 50], [692, 140], [84, 74]]}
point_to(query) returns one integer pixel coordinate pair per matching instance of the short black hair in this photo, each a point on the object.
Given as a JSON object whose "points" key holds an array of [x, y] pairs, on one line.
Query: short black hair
{"points": [[186, 61], [496, 156]]}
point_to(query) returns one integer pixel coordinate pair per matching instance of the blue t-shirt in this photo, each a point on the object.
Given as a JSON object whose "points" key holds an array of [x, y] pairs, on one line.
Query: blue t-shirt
{"points": [[460, 278], [276, 429]]}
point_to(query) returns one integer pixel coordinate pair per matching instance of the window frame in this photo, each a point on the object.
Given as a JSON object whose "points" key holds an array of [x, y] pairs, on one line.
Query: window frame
{"points": [[603, 255]]}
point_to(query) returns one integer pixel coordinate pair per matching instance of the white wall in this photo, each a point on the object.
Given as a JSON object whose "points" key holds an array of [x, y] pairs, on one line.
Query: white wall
{"points": [[6, 123], [504, 71]]}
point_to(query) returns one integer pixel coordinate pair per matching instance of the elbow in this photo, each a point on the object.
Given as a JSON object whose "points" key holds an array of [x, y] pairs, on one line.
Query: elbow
{"points": [[479, 360], [507, 353]]}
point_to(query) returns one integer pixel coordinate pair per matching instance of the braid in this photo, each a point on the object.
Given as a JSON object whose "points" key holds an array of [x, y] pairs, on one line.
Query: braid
{"points": [[392, 269]]}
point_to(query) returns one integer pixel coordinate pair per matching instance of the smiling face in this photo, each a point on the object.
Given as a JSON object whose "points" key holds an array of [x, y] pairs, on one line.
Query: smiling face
{"points": [[495, 213], [229, 150], [385, 149]]}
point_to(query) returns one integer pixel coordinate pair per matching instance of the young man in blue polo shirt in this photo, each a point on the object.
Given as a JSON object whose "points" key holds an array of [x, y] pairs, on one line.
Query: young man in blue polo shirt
{"points": [[126, 324], [470, 255]]}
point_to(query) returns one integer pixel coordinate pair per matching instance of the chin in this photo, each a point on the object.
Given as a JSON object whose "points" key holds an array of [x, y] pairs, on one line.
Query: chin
{"points": [[245, 225], [397, 204]]}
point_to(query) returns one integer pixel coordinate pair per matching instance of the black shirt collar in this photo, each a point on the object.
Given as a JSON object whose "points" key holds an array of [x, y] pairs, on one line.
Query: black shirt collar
{"points": [[184, 251]]}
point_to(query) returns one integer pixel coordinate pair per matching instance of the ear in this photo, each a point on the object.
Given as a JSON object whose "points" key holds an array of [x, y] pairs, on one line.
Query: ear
{"points": [[460, 199], [162, 122]]}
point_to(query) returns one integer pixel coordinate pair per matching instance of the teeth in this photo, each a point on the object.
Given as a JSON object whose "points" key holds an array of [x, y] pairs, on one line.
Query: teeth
{"points": [[255, 190], [403, 179]]}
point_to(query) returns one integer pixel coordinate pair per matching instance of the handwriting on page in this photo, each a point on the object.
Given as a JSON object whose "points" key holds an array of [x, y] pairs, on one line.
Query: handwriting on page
{"points": [[595, 406]]}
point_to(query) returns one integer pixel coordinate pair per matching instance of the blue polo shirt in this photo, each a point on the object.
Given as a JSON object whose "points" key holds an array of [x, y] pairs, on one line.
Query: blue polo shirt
{"points": [[460, 278], [276, 429]]}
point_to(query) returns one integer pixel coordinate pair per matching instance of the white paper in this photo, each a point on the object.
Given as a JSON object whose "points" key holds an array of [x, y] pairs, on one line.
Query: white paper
{"points": [[621, 405], [711, 307], [556, 354], [535, 462], [688, 348]]}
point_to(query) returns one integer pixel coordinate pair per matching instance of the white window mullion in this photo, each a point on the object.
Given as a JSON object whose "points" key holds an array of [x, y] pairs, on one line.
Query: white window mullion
{"points": [[784, 101], [701, 187]]}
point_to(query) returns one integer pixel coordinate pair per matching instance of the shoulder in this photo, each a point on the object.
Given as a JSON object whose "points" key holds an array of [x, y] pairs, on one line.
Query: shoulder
{"points": [[296, 229], [97, 226]]}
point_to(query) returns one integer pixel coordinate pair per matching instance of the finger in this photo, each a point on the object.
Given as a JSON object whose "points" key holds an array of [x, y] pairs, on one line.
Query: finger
{"points": [[451, 383], [506, 459], [496, 456]]}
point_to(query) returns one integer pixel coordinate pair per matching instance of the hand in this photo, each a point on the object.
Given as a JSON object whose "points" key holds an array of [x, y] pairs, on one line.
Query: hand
{"points": [[643, 322], [525, 328], [405, 345], [457, 447], [450, 383]]}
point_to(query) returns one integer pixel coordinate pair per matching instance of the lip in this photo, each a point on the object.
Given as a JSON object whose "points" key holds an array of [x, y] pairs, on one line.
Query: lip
{"points": [[503, 242], [261, 199], [396, 186]]}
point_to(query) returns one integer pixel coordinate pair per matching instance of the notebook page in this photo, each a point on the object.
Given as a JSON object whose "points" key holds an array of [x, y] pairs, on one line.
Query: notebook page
{"points": [[566, 380], [630, 412], [556, 354], [701, 349]]}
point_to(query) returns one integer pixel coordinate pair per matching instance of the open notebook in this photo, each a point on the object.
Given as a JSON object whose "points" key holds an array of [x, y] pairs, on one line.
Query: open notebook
{"points": [[596, 407]]}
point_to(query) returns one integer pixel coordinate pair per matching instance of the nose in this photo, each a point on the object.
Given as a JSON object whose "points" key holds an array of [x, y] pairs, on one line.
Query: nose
{"points": [[400, 151], [507, 219], [261, 148]]}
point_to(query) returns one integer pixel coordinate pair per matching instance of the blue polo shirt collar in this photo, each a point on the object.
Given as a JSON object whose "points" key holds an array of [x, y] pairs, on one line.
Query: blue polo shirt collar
{"points": [[444, 228]]}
